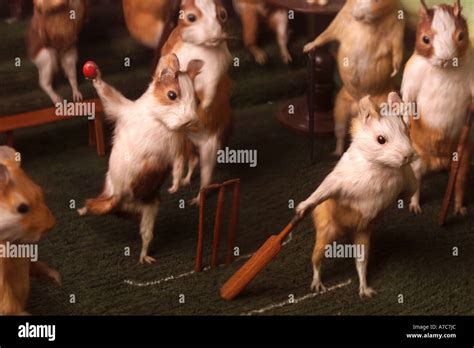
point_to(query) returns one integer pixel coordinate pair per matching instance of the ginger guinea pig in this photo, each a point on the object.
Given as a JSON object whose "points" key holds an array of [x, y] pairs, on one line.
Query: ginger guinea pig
{"points": [[24, 218], [370, 35], [24, 215]]}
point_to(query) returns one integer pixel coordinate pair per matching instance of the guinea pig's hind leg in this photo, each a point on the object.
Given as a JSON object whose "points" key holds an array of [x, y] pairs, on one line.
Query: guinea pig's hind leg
{"points": [[177, 175], [193, 161], [342, 115], [47, 63], [249, 17], [326, 233], [278, 21], [419, 168], [461, 179], [147, 225], [68, 63], [362, 242]]}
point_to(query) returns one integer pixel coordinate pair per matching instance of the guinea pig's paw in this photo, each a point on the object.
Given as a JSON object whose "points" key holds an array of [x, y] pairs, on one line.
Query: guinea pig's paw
{"points": [[260, 56], [147, 259], [309, 47], [459, 210], [415, 208], [286, 56], [173, 189], [54, 276], [318, 287], [77, 96], [82, 211], [302, 208], [57, 99], [194, 201], [186, 181], [366, 292]]}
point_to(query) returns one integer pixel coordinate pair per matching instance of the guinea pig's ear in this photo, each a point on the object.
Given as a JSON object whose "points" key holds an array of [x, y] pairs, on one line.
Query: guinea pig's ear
{"points": [[394, 100], [8, 154], [396, 103], [168, 67], [424, 9], [194, 68], [368, 110], [4, 177], [457, 8]]}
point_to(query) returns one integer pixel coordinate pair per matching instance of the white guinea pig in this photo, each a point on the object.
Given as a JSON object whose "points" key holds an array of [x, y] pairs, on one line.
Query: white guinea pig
{"points": [[370, 176]]}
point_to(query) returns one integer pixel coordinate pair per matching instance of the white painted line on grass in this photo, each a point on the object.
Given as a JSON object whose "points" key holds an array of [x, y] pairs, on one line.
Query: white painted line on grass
{"points": [[296, 300], [187, 274]]}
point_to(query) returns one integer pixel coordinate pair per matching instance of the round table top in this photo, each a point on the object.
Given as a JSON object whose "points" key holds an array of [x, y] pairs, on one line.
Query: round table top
{"points": [[332, 7]]}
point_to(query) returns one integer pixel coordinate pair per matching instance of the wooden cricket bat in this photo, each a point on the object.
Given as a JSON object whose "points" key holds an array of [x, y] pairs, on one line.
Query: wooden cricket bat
{"points": [[234, 286], [463, 141]]}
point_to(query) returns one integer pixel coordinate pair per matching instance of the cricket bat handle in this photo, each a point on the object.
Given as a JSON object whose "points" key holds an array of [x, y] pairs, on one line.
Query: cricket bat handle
{"points": [[234, 286]]}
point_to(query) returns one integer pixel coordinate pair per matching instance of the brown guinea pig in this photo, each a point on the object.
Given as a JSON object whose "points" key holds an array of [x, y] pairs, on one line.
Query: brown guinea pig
{"points": [[24, 218]]}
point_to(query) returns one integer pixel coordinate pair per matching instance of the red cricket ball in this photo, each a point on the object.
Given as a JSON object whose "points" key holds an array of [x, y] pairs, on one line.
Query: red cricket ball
{"points": [[90, 70]]}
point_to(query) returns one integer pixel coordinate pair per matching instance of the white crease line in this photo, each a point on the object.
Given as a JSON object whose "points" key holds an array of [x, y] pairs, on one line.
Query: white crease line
{"points": [[296, 300], [187, 274]]}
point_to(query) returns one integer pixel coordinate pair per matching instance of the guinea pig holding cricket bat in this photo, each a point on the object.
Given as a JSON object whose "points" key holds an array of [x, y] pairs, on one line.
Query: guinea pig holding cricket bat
{"points": [[200, 34], [369, 177], [439, 78], [24, 218], [253, 11], [149, 142], [52, 39], [370, 36]]}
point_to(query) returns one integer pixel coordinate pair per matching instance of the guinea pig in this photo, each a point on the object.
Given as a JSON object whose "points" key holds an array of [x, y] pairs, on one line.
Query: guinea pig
{"points": [[367, 180], [149, 142], [24, 215], [370, 35], [439, 80], [200, 34], [51, 41], [24, 218], [250, 11]]}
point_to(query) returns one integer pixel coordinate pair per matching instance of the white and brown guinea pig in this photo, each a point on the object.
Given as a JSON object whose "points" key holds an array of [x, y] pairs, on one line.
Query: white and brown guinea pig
{"points": [[24, 218], [52, 39], [370, 35], [146, 19], [201, 34], [149, 143], [439, 78], [251, 12]]}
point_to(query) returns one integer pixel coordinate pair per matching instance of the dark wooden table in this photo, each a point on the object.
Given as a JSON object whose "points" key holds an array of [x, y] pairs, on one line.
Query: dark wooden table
{"points": [[312, 114]]}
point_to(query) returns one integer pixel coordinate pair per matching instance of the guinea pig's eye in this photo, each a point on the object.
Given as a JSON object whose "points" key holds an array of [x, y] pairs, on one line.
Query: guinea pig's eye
{"points": [[172, 95], [223, 15], [461, 36], [381, 140], [426, 39], [23, 208], [192, 17]]}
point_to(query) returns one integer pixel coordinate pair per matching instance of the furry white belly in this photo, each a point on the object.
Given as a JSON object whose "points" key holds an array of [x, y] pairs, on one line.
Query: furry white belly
{"points": [[132, 148], [443, 101]]}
